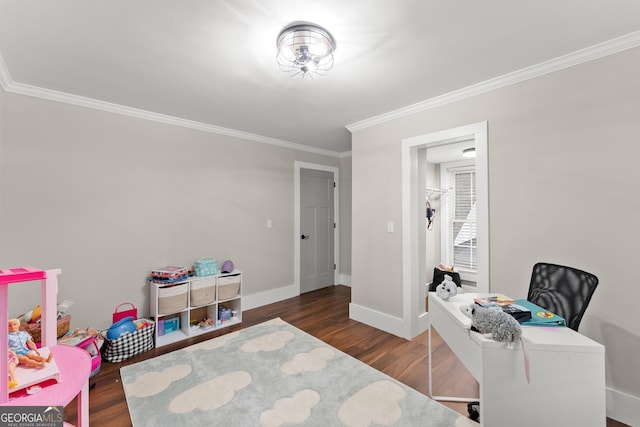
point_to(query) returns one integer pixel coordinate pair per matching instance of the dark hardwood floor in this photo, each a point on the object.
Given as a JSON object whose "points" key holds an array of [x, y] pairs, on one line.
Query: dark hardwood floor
{"points": [[325, 315]]}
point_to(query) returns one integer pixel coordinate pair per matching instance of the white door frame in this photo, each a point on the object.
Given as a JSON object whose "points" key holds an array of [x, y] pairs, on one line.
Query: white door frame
{"points": [[296, 218], [415, 318]]}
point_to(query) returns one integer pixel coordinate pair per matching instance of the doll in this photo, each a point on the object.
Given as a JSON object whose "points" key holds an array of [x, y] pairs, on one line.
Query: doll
{"points": [[12, 361], [25, 349]]}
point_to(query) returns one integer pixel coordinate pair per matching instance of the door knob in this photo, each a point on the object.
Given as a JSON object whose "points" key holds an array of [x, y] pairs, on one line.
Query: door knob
{"points": [[303, 237]]}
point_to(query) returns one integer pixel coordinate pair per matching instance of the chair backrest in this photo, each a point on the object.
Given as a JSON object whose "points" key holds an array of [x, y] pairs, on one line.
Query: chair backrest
{"points": [[565, 291]]}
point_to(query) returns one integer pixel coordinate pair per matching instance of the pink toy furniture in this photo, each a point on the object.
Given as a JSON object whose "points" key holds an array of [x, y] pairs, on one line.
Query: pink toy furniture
{"points": [[73, 363]]}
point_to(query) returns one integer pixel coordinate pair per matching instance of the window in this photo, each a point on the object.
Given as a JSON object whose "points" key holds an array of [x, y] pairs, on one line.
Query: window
{"points": [[459, 243]]}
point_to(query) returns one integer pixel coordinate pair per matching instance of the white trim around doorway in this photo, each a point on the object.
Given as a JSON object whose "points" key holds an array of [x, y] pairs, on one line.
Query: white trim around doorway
{"points": [[415, 318]]}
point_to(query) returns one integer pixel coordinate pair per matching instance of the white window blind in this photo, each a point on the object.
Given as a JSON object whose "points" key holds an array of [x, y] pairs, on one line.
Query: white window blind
{"points": [[462, 219]]}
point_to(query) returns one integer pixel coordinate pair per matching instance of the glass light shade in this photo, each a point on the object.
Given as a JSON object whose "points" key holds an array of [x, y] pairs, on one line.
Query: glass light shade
{"points": [[305, 49]]}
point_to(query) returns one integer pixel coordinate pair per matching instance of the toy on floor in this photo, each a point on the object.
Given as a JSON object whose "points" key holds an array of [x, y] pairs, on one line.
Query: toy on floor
{"points": [[447, 288], [22, 344], [500, 326], [12, 362]]}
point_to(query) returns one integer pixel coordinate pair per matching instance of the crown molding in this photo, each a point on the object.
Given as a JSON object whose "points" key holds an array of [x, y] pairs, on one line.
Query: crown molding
{"points": [[610, 47], [591, 53], [10, 86]]}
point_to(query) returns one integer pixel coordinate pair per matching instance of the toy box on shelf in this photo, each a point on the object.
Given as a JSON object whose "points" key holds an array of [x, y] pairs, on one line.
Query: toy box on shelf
{"points": [[169, 273], [168, 325], [224, 314], [206, 267]]}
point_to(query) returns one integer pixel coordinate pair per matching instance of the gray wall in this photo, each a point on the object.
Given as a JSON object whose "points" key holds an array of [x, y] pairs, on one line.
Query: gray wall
{"points": [[345, 220], [107, 198], [563, 187]]}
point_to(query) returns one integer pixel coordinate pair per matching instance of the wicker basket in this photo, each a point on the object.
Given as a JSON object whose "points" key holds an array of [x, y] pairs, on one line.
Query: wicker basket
{"points": [[228, 287], [34, 329]]}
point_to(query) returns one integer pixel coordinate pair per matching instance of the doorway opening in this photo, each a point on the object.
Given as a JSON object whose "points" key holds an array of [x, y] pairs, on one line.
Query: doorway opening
{"points": [[451, 232], [415, 171]]}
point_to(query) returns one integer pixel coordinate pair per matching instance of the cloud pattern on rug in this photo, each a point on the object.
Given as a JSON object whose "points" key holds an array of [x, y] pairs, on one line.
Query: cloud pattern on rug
{"points": [[155, 382], [214, 343], [268, 342], [290, 410], [380, 402], [312, 361], [211, 394], [377, 403]]}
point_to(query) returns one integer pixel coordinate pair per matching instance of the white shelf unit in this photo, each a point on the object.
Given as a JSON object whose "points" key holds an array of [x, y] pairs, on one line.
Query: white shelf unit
{"points": [[190, 301]]}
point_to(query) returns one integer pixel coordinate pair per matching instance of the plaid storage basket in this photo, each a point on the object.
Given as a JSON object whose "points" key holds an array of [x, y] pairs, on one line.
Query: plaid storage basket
{"points": [[129, 344]]}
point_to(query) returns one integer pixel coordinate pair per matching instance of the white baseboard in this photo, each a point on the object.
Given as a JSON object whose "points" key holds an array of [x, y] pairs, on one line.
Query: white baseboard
{"points": [[269, 297], [344, 279], [279, 294], [377, 319], [623, 407]]}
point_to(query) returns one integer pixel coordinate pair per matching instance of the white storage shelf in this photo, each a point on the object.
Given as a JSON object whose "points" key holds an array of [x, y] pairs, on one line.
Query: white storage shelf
{"points": [[175, 307]]}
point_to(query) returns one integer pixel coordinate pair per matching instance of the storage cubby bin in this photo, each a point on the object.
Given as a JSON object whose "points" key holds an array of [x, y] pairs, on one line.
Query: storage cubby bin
{"points": [[203, 292], [172, 299], [228, 287]]}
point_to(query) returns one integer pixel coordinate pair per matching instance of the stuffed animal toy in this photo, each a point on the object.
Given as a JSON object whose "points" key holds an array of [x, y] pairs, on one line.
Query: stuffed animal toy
{"points": [[447, 288], [497, 324], [501, 326]]}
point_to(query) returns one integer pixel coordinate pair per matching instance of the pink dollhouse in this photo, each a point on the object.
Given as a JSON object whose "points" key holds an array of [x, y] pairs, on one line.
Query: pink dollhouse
{"points": [[72, 367]]}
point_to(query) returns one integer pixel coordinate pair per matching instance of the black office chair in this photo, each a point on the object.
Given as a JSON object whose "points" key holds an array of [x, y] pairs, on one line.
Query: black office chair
{"points": [[565, 291]]}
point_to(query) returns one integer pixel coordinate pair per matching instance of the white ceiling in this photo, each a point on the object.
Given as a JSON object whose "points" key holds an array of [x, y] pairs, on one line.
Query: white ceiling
{"points": [[212, 63]]}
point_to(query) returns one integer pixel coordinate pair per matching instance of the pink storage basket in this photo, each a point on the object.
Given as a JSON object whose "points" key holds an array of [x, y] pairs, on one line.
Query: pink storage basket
{"points": [[92, 348], [119, 315]]}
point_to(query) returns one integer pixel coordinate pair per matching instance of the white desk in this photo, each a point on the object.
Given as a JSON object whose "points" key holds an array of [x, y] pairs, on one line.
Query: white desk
{"points": [[567, 371]]}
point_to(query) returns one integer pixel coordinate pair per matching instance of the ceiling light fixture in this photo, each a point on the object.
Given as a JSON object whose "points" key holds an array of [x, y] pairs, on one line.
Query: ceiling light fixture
{"points": [[305, 49], [469, 152]]}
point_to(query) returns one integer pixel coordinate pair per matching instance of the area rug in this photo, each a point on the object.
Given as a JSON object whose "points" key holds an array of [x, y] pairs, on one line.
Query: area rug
{"points": [[272, 374]]}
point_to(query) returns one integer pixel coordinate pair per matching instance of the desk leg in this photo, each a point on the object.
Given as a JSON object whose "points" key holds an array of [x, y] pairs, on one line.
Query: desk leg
{"points": [[83, 405], [443, 398]]}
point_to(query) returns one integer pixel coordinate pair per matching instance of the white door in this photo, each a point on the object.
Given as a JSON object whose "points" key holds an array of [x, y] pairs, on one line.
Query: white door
{"points": [[316, 229]]}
